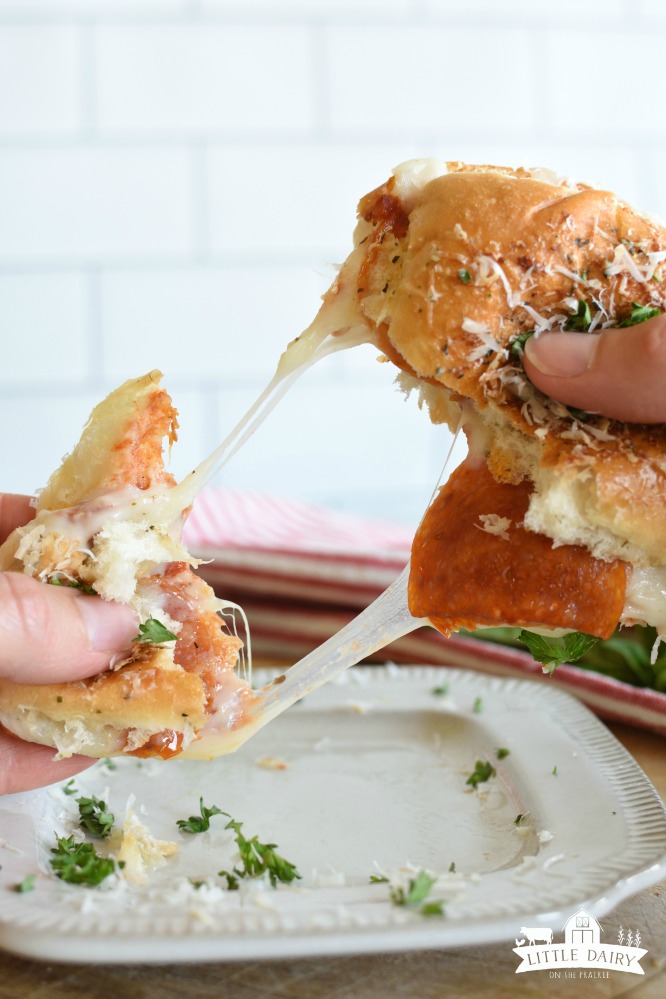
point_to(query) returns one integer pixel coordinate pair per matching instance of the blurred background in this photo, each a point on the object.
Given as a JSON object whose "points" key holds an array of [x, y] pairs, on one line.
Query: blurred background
{"points": [[178, 179]]}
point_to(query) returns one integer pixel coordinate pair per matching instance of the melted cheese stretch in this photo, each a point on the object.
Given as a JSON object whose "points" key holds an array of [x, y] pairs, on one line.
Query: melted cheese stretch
{"points": [[125, 516], [338, 325]]}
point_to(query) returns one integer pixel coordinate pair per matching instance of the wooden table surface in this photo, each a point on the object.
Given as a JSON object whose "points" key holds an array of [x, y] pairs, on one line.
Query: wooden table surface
{"points": [[463, 972]]}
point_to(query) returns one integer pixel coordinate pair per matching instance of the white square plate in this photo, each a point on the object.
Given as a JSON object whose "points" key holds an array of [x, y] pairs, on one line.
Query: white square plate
{"points": [[374, 780]]}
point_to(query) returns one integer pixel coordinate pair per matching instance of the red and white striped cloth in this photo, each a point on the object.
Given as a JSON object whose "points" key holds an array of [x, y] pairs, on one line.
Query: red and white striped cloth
{"points": [[301, 572]]}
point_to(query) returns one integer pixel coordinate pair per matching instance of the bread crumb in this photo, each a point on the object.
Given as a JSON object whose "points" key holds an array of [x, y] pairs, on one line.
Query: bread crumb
{"points": [[272, 763], [139, 851]]}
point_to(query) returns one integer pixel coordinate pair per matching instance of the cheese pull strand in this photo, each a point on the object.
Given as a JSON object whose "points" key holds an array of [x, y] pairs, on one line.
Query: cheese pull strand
{"points": [[383, 622], [337, 326]]}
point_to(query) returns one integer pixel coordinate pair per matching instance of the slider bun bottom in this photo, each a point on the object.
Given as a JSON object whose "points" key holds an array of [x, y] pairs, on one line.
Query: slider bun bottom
{"points": [[110, 714]]}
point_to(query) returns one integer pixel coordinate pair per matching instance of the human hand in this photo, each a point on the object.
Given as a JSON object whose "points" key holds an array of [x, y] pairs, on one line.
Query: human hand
{"points": [[49, 634], [619, 373]]}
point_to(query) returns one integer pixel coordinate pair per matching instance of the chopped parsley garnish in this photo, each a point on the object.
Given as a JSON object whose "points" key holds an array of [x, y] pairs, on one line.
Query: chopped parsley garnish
{"points": [[199, 823], [639, 314], [582, 320], [26, 885], [74, 583], [70, 787], [554, 771], [257, 859], [625, 656], [441, 690], [483, 771], [79, 863], [95, 817], [416, 893], [109, 764], [552, 652], [378, 879], [477, 707], [464, 276], [153, 632], [519, 818], [578, 414], [518, 345], [452, 867], [501, 753]]}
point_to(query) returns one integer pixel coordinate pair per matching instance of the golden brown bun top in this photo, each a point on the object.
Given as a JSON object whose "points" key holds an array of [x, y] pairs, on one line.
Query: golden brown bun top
{"points": [[522, 242], [121, 446], [455, 272]]}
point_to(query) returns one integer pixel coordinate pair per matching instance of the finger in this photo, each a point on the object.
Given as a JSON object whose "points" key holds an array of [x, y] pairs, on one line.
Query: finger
{"points": [[50, 634], [24, 765], [619, 373], [15, 510]]}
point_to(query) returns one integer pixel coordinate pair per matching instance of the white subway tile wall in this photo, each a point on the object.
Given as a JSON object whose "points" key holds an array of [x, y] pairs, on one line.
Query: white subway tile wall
{"points": [[178, 179]]}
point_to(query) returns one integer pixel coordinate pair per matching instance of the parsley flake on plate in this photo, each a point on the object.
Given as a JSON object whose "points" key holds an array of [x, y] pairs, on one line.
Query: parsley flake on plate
{"points": [[95, 817], [416, 893], [257, 859], [26, 885], [483, 771], [79, 863], [199, 823]]}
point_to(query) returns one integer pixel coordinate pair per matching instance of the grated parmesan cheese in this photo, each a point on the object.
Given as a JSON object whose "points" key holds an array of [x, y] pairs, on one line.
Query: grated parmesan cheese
{"points": [[492, 523], [482, 331], [623, 261], [140, 851]]}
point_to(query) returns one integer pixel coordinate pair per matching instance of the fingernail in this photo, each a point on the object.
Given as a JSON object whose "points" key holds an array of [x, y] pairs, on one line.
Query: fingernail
{"points": [[110, 627], [561, 355]]}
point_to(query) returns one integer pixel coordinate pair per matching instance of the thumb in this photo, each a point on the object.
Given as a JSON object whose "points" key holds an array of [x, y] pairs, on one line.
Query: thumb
{"points": [[51, 634], [619, 373]]}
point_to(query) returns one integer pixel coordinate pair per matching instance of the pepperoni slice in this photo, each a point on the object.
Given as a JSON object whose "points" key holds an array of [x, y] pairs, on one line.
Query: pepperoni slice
{"points": [[464, 576]]}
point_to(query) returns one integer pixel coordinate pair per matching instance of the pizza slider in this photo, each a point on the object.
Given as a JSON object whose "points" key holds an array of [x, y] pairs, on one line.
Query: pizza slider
{"points": [[109, 522], [556, 521]]}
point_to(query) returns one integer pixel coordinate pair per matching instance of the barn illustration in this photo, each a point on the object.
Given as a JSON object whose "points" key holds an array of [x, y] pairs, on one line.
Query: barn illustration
{"points": [[582, 928]]}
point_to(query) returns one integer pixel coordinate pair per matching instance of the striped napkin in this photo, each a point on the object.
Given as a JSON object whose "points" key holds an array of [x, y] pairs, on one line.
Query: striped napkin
{"points": [[301, 572]]}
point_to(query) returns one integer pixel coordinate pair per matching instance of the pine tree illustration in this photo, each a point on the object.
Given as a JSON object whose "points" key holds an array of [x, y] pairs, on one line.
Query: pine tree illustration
{"points": [[637, 939], [620, 935], [630, 942]]}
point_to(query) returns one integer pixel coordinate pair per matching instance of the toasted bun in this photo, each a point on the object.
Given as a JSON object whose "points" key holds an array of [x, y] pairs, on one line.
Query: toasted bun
{"points": [[457, 268], [109, 520]]}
